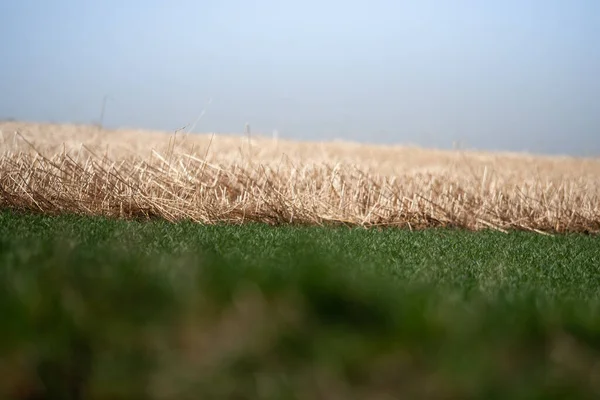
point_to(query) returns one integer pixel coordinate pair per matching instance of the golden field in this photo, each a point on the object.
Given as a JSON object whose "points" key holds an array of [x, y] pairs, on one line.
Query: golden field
{"points": [[208, 178]]}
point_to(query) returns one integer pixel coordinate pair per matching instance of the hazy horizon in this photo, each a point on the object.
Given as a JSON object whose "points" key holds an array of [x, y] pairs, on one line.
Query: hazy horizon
{"points": [[509, 76]]}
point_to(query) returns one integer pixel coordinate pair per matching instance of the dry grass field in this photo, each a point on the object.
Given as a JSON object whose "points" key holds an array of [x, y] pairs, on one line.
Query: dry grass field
{"points": [[224, 178]]}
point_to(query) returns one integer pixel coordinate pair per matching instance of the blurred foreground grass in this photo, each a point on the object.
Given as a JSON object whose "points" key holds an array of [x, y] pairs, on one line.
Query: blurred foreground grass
{"points": [[103, 309]]}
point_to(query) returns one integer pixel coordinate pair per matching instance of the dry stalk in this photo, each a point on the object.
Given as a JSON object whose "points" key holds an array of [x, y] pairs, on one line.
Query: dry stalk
{"points": [[57, 169]]}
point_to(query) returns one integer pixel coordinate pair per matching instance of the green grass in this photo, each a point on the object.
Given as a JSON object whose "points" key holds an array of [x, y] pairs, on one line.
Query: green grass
{"points": [[103, 309]]}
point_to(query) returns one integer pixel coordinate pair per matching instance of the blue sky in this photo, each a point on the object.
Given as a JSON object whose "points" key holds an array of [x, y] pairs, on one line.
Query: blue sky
{"points": [[500, 75]]}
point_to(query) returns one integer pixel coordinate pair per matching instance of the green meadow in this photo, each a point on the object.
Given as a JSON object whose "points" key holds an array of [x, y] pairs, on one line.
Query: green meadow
{"points": [[95, 308]]}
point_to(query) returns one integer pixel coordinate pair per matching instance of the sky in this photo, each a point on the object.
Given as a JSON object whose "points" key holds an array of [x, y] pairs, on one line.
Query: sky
{"points": [[513, 75]]}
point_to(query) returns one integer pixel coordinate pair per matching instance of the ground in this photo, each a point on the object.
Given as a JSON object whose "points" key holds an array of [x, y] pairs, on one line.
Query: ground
{"points": [[160, 310], [145, 265]]}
